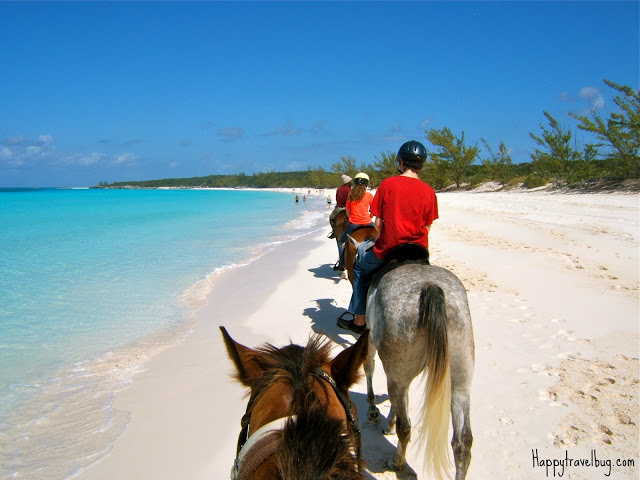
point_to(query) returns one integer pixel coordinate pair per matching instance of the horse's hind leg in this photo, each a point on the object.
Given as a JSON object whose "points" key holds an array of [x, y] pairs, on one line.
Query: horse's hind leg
{"points": [[373, 415], [462, 437], [399, 417]]}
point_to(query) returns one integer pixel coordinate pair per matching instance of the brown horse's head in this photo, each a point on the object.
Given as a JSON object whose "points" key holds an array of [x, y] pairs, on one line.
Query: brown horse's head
{"points": [[303, 384]]}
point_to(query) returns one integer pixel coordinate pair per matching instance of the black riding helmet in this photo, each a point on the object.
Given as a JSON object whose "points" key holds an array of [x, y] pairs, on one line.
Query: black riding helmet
{"points": [[413, 154]]}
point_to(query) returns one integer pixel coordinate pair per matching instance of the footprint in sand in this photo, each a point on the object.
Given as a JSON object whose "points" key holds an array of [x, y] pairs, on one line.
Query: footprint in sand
{"points": [[538, 367], [565, 355]]}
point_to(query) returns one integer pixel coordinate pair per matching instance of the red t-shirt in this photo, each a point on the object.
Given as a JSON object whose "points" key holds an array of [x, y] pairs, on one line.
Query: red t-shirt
{"points": [[359, 211], [342, 194], [406, 206]]}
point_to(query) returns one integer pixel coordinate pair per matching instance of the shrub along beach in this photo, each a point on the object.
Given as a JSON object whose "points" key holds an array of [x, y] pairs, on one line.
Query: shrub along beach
{"points": [[606, 156]]}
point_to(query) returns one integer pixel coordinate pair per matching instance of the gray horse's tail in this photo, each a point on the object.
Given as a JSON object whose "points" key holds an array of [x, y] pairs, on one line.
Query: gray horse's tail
{"points": [[436, 407]]}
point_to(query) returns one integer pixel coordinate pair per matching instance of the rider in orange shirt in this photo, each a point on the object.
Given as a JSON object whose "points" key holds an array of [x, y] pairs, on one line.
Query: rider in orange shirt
{"points": [[357, 212]]}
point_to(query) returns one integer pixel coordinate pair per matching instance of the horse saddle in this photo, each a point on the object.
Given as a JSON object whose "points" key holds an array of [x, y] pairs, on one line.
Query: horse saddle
{"points": [[399, 255]]}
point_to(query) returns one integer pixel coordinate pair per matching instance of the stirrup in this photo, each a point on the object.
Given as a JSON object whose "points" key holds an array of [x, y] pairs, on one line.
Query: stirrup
{"points": [[331, 234], [341, 317]]}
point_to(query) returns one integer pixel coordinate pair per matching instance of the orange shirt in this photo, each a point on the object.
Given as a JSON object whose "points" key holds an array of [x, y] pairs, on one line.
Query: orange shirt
{"points": [[359, 211]]}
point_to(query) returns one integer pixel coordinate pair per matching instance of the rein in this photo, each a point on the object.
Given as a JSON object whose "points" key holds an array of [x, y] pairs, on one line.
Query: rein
{"points": [[347, 405], [263, 443]]}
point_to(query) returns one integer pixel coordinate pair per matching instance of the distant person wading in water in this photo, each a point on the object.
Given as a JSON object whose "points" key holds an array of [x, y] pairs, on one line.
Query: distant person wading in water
{"points": [[357, 211], [405, 207]]}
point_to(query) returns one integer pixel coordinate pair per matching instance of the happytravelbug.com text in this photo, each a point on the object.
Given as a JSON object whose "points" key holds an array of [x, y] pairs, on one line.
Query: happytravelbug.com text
{"points": [[556, 467]]}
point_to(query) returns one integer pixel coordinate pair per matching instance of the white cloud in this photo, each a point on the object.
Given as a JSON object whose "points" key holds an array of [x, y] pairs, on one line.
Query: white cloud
{"points": [[20, 150], [425, 122], [174, 164], [33, 150], [594, 97], [126, 159], [46, 139]]}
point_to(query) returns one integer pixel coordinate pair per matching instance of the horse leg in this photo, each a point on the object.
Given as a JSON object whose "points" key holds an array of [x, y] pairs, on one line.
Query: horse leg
{"points": [[391, 422], [399, 397], [373, 415], [462, 437]]}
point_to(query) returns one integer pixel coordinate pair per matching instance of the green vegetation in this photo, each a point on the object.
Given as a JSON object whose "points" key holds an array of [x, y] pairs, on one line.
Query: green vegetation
{"points": [[614, 156], [620, 134], [452, 158]]}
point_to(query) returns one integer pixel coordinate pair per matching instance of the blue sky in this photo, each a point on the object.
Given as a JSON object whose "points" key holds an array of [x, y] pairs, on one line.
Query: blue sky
{"points": [[102, 91]]}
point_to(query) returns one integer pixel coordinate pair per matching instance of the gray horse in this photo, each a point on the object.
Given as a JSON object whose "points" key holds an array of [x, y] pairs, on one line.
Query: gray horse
{"points": [[419, 319]]}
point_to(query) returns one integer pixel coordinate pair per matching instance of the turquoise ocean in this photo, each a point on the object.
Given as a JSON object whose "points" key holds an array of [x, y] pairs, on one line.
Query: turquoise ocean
{"points": [[94, 282]]}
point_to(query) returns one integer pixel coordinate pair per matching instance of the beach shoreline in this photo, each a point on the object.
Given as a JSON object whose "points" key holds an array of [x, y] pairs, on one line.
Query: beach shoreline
{"points": [[65, 419], [546, 274]]}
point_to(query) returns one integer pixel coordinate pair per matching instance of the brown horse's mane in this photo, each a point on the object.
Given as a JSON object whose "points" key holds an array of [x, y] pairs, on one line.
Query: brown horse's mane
{"points": [[314, 446]]}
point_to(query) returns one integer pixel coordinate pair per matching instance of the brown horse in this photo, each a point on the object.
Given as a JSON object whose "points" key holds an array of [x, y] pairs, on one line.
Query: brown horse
{"points": [[339, 223], [359, 236], [300, 422]]}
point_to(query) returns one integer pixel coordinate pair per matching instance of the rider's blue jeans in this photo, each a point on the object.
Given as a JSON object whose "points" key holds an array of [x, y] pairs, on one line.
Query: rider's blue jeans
{"points": [[362, 272]]}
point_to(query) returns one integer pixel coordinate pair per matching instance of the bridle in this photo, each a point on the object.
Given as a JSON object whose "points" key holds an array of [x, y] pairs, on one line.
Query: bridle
{"points": [[264, 441]]}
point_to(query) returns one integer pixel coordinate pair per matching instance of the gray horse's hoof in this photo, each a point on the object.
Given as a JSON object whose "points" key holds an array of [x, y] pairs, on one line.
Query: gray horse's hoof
{"points": [[373, 416]]}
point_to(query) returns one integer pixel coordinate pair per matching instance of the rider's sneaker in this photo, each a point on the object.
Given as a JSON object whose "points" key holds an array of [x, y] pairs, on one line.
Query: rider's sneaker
{"points": [[331, 234], [350, 325]]}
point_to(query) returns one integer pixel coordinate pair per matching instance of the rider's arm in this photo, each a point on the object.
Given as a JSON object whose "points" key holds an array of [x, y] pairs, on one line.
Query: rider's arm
{"points": [[378, 224]]}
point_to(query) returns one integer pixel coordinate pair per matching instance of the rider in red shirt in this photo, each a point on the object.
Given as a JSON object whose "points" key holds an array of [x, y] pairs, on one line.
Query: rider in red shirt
{"points": [[405, 207], [342, 194]]}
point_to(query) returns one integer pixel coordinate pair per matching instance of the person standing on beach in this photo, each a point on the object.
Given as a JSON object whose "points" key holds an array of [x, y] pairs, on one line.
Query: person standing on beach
{"points": [[405, 207], [342, 194], [357, 212]]}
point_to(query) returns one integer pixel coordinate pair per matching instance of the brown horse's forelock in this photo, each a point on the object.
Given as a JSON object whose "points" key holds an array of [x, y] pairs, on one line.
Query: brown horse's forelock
{"points": [[314, 446]]}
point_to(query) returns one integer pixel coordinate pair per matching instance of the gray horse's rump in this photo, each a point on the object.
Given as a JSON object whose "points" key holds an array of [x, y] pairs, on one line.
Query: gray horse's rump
{"points": [[407, 303]]}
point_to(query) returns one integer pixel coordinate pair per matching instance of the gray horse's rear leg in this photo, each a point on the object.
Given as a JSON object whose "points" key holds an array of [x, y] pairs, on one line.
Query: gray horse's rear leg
{"points": [[373, 415], [462, 437], [399, 417]]}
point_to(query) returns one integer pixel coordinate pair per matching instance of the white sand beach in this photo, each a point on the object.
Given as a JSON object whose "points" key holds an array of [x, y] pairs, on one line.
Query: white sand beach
{"points": [[553, 285]]}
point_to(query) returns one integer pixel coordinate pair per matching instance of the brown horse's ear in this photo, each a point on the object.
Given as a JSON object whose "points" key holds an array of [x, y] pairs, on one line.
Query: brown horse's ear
{"points": [[345, 367], [245, 359]]}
